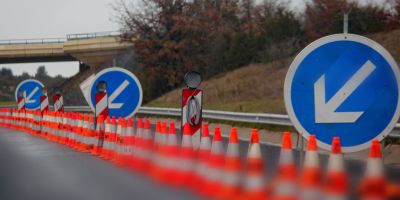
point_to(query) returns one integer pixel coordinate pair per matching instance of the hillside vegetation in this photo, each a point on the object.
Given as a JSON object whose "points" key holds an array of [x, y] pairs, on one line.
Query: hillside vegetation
{"points": [[257, 87]]}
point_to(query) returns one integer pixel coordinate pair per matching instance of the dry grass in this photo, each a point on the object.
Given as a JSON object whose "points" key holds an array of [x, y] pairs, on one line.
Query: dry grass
{"points": [[257, 87]]}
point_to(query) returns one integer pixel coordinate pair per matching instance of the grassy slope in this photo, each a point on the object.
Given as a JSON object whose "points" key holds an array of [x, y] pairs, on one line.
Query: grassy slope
{"points": [[257, 87]]}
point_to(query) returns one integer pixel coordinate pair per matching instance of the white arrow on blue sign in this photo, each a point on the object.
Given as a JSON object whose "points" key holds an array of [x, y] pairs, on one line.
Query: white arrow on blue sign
{"points": [[343, 85], [32, 90], [123, 89]]}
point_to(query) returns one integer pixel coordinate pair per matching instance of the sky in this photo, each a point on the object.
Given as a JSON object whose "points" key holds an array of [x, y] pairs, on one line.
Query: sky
{"points": [[30, 19]]}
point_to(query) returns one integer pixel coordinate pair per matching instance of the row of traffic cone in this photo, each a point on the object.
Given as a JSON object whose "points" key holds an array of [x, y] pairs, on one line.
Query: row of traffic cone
{"points": [[209, 171]]}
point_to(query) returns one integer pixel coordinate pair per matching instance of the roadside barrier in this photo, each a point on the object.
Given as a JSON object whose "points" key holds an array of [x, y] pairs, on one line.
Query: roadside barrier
{"points": [[209, 171]]}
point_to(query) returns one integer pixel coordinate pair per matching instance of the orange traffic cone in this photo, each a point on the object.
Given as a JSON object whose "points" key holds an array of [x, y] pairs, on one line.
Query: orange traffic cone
{"points": [[310, 178], [215, 167], [112, 138], [72, 134], [78, 131], [106, 141], [373, 185], [90, 135], [254, 183], [99, 136], [203, 156], [187, 158], [83, 133], [285, 186], [232, 169], [146, 147], [127, 144], [159, 155], [116, 143], [336, 186], [172, 156]]}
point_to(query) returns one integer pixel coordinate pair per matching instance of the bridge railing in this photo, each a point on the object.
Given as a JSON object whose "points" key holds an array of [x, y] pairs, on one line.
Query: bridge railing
{"points": [[79, 36], [32, 41], [76, 36]]}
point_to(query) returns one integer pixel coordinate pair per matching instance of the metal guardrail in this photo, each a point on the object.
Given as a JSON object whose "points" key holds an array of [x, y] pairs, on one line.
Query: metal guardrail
{"points": [[257, 118], [60, 40], [79, 36], [32, 41]]}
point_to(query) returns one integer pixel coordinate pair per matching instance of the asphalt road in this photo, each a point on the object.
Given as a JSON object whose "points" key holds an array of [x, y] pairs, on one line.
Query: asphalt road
{"points": [[32, 168]]}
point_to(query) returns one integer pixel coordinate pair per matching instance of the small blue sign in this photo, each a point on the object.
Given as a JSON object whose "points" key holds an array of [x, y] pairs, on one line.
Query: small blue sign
{"points": [[343, 85], [123, 89], [32, 90]]}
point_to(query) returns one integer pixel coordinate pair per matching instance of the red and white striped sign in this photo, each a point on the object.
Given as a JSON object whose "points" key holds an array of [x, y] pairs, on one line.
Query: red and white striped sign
{"points": [[44, 103], [192, 113], [101, 104], [21, 103], [58, 103]]}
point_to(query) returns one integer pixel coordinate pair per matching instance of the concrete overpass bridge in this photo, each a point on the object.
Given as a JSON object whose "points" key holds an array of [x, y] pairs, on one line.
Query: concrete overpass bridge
{"points": [[93, 49]]}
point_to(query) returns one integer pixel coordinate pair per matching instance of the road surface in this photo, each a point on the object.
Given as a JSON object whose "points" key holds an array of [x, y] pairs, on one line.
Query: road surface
{"points": [[32, 168]]}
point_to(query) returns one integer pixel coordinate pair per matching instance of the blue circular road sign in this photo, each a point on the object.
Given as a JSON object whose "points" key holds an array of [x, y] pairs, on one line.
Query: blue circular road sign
{"points": [[343, 85], [123, 89], [32, 90]]}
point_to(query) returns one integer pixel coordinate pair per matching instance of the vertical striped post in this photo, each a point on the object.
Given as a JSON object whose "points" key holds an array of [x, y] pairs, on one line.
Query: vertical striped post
{"points": [[58, 102], [101, 107], [192, 113]]}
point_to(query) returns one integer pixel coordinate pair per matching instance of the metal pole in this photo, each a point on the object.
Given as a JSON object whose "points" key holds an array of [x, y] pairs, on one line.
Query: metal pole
{"points": [[346, 23], [114, 62]]}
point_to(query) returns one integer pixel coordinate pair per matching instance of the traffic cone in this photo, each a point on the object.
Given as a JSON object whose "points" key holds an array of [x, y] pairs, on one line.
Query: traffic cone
{"points": [[232, 170], [215, 166], [172, 156], [114, 138], [138, 146], [159, 154], [78, 131], [118, 144], [127, 144], [203, 156], [90, 135], [373, 185], [83, 133], [99, 136], [284, 186], [146, 147], [254, 184], [157, 135], [187, 159], [392, 191], [63, 127], [311, 178], [336, 185], [106, 141], [72, 138]]}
